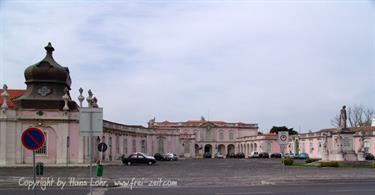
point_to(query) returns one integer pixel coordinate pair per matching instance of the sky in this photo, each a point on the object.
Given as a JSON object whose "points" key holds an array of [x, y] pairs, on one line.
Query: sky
{"points": [[274, 63]]}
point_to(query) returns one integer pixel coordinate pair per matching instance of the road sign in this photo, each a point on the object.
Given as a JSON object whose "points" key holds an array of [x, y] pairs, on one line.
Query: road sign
{"points": [[33, 138], [91, 122], [102, 147], [283, 137]]}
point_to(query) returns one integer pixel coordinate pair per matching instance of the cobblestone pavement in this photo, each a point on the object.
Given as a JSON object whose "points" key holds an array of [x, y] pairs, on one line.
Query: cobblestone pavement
{"points": [[205, 172]]}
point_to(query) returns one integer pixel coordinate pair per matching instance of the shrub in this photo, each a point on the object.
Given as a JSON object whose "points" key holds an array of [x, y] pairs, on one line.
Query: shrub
{"points": [[373, 164], [310, 160], [288, 161], [329, 164]]}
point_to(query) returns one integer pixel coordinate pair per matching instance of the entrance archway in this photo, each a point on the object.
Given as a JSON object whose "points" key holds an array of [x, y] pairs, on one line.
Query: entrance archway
{"points": [[230, 149], [208, 150], [221, 149]]}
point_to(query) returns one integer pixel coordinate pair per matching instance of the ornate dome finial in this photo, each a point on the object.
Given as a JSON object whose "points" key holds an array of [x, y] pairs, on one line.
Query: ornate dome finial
{"points": [[49, 48]]}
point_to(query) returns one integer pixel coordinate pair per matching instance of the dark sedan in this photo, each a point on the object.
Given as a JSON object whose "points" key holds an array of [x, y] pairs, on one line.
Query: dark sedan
{"points": [[264, 155], [302, 156], [369, 156], [276, 155], [240, 155], [138, 158], [161, 157]]}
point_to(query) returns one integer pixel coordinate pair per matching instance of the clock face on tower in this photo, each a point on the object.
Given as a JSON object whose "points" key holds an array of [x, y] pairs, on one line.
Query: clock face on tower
{"points": [[44, 91]]}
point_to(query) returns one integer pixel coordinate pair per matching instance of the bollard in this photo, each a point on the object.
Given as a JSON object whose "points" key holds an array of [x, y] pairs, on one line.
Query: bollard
{"points": [[39, 168], [99, 170]]}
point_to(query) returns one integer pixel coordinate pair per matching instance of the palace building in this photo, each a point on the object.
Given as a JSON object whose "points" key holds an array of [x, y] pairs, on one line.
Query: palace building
{"points": [[46, 103]]}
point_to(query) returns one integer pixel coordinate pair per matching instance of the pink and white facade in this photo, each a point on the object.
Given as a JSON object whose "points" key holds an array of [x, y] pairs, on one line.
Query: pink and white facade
{"points": [[47, 105], [258, 143], [312, 143], [199, 137]]}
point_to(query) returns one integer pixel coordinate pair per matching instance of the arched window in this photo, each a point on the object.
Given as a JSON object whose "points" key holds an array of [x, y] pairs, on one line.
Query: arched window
{"points": [[43, 149]]}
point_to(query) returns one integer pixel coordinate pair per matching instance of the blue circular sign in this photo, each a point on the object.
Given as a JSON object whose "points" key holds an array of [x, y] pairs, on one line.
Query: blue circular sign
{"points": [[33, 138]]}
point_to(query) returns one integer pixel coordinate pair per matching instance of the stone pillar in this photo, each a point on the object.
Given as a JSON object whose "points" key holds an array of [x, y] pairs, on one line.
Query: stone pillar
{"points": [[80, 150], [3, 138]]}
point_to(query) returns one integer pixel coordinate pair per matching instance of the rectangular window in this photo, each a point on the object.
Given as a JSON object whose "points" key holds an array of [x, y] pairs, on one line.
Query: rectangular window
{"points": [[161, 145], [303, 146], [43, 149], [311, 147], [187, 147], [117, 144], [221, 136], [134, 145], [125, 146], [231, 136], [143, 146]]}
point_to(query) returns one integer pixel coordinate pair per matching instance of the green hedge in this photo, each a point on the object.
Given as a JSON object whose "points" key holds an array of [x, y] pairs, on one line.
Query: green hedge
{"points": [[310, 160], [288, 161], [373, 164], [329, 164]]}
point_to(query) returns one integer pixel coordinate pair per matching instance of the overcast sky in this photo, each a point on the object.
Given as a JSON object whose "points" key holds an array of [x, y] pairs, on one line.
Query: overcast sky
{"points": [[292, 63]]}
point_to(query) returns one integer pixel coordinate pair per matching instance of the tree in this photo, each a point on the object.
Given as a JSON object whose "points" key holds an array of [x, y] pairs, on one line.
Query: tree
{"points": [[275, 129], [358, 116]]}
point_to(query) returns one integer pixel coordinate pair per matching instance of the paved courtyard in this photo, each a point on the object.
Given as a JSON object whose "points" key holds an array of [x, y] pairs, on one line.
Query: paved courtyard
{"points": [[205, 172]]}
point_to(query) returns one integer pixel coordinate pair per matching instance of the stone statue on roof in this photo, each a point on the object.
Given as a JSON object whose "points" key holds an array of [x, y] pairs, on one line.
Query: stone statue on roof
{"points": [[151, 122], [343, 118]]}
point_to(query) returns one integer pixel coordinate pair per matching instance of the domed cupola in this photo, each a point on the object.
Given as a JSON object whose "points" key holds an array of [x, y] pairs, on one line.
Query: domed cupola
{"points": [[46, 82], [47, 70]]}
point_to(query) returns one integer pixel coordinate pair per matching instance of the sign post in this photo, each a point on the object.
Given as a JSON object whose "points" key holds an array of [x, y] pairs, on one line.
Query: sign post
{"points": [[91, 124], [102, 147], [33, 139], [283, 139]]}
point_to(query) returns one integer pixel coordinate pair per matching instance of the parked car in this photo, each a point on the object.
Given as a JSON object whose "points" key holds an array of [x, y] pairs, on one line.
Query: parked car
{"points": [[302, 156], [160, 157], [264, 155], [240, 155], [172, 156], [289, 155], [254, 154], [207, 155], [231, 155], [219, 155], [275, 155], [138, 158], [369, 156]]}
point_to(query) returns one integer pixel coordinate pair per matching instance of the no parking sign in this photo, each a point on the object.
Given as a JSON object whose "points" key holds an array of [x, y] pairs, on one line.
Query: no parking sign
{"points": [[33, 138]]}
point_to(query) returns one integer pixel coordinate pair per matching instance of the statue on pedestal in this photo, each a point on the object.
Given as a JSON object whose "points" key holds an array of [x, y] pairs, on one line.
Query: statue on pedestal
{"points": [[343, 118]]}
